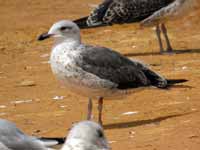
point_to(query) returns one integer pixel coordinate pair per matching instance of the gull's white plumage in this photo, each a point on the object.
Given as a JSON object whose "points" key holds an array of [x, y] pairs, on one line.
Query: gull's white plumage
{"points": [[11, 138], [3, 147], [86, 135]]}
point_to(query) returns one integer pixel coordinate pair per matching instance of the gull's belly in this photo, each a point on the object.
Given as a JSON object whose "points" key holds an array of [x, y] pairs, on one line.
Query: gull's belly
{"points": [[78, 81], [179, 9]]}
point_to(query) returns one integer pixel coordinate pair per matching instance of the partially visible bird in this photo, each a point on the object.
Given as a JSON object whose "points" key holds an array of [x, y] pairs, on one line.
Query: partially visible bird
{"points": [[148, 12], [12, 138], [96, 72], [86, 135]]}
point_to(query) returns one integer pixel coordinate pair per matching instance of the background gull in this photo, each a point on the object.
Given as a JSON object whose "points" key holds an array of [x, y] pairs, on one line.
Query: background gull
{"points": [[86, 135], [96, 72], [3, 147], [11, 138], [149, 12]]}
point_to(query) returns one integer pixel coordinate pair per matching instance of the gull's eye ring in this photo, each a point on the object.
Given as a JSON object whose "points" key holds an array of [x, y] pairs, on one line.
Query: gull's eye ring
{"points": [[64, 28]]}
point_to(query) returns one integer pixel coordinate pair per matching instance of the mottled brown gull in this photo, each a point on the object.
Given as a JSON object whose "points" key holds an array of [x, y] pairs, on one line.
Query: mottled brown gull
{"points": [[148, 12]]}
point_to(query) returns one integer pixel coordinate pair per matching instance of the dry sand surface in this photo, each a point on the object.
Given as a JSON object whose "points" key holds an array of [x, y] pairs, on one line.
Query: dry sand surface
{"points": [[163, 119]]}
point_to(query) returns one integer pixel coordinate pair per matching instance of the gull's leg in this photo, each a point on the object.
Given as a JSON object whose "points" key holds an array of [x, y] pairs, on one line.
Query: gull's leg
{"points": [[158, 33], [100, 108], [89, 115], [164, 30]]}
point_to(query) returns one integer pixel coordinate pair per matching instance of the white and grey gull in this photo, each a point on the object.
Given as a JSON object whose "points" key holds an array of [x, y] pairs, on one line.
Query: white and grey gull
{"points": [[86, 135], [96, 72], [12, 138], [148, 12]]}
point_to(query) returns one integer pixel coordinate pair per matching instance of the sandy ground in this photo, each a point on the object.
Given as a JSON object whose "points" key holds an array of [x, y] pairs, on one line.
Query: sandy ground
{"points": [[164, 119]]}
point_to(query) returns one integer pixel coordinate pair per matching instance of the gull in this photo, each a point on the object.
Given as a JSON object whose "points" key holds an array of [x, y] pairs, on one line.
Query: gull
{"points": [[148, 12], [96, 72], [86, 135], [12, 138]]}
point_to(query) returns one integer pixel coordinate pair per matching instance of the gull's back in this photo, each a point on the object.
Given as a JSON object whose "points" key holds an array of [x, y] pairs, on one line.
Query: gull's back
{"points": [[174, 10], [3, 147]]}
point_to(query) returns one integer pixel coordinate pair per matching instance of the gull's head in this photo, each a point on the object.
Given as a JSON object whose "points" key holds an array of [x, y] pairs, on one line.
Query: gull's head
{"points": [[63, 29], [89, 133]]}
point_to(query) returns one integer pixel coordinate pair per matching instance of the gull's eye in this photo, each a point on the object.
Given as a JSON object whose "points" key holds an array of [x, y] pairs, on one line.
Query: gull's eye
{"points": [[64, 28], [100, 133]]}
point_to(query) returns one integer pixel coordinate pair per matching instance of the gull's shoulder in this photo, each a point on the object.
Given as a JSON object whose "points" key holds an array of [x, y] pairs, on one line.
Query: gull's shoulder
{"points": [[99, 56]]}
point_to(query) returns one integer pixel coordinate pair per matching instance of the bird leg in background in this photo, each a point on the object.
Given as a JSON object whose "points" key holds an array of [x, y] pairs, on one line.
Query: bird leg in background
{"points": [[100, 108], [89, 115], [164, 30], [158, 33]]}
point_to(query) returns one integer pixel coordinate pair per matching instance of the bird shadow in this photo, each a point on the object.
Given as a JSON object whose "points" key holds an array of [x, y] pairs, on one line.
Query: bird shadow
{"points": [[141, 122], [158, 53], [180, 87]]}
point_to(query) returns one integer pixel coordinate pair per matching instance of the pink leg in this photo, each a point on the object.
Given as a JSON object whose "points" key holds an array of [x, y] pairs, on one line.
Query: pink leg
{"points": [[164, 30], [89, 115], [100, 108]]}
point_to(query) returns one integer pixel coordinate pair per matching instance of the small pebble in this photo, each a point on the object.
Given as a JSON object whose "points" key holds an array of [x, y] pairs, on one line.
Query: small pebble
{"points": [[27, 83], [21, 101], [130, 113], [2, 106], [44, 55], [58, 97]]}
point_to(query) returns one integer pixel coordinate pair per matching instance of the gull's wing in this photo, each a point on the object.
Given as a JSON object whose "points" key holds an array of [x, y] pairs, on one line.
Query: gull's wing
{"points": [[113, 67], [97, 15], [126, 11], [15, 139], [121, 11]]}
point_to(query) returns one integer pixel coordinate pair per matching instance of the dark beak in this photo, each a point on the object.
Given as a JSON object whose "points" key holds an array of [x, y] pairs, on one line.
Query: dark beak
{"points": [[44, 36]]}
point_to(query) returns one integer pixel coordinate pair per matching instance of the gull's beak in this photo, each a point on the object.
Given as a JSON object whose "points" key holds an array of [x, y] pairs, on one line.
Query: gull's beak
{"points": [[44, 36]]}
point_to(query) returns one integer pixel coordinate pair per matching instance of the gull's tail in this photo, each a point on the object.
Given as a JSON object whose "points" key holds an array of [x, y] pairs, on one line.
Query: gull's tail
{"points": [[159, 81], [82, 22], [52, 141], [175, 81]]}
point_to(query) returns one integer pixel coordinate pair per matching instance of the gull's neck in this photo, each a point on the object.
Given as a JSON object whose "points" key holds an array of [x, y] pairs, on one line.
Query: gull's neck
{"points": [[74, 142], [181, 1]]}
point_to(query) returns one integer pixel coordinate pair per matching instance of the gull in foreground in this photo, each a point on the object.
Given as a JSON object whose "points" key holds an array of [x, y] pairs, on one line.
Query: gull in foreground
{"points": [[149, 12], [96, 72], [86, 135], [11, 138]]}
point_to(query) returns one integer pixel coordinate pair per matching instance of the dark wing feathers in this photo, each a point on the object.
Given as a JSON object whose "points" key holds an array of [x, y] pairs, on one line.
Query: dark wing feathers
{"points": [[97, 15], [126, 11], [121, 11], [114, 67]]}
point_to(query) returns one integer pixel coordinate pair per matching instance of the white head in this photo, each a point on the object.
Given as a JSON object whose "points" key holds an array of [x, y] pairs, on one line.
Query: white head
{"points": [[87, 133], [63, 30]]}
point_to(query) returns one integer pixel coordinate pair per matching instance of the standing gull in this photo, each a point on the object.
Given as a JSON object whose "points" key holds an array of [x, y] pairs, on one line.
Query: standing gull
{"points": [[86, 135], [96, 72], [11, 138], [149, 12]]}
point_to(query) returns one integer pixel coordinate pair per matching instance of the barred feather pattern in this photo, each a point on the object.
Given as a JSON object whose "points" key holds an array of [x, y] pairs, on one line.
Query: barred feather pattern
{"points": [[125, 11]]}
